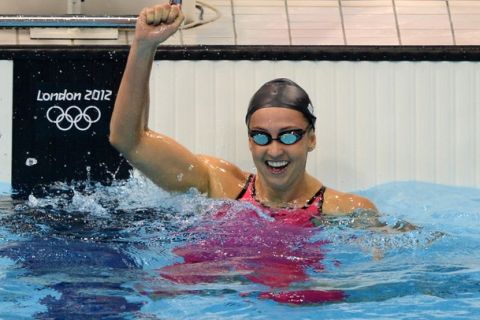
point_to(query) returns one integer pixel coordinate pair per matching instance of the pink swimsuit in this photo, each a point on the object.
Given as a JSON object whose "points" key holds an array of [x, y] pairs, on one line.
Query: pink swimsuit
{"points": [[299, 217], [259, 250]]}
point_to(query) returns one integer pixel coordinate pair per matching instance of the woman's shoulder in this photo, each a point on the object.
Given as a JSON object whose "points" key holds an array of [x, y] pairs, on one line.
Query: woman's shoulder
{"points": [[341, 203], [226, 180]]}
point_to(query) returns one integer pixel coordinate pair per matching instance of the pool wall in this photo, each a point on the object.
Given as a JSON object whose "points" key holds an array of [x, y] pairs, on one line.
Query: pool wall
{"points": [[377, 121], [382, 116], [6, 89]]}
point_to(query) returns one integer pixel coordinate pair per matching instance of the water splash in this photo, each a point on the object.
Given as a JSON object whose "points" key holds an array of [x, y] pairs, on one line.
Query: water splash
{"points": [[218, 242], [31, 162], [369, 231], [131, 210]]}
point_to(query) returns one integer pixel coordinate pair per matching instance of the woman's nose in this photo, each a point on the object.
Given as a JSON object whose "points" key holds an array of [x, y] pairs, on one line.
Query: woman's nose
{"points": [[275, 149]]}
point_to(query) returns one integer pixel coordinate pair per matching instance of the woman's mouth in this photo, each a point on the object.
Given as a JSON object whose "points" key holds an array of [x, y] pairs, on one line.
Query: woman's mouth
{"points": [[277, 167]]}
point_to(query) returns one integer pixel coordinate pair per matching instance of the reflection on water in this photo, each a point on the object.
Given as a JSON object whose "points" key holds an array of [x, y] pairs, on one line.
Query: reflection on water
{"points": [[131, 250]]}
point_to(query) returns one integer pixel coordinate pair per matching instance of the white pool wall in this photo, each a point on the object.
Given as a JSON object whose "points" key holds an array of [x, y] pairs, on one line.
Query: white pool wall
{"points": [[6, 89], [377, 121]]}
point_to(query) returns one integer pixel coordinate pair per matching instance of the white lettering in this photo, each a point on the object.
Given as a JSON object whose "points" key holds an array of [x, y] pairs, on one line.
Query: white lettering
{"points": [[98, 95], [59, 96]]}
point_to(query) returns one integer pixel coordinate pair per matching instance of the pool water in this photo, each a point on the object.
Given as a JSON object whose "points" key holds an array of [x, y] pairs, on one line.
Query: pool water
{"points": [[133, 251]]}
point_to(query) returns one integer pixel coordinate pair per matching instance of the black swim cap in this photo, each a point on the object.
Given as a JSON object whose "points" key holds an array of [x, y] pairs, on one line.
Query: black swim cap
{"points": [[283, 93]]}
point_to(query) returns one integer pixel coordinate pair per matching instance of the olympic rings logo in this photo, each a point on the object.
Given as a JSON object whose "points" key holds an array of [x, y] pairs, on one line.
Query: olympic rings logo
{"points": [[73, 116]]}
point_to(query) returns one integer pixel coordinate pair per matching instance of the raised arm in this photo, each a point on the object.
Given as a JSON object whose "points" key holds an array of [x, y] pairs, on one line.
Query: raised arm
{"points": [[130, 115], [163, 160]]}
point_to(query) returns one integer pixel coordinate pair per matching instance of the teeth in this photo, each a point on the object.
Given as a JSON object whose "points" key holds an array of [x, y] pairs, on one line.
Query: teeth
{"points": [[277, 164]]}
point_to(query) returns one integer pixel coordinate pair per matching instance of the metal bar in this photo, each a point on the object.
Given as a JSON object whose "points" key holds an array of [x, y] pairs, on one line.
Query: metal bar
{"points": [[22, 21]]}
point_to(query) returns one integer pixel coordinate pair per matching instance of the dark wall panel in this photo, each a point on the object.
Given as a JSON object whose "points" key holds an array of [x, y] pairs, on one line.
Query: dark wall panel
{"points": [[62, 106]]}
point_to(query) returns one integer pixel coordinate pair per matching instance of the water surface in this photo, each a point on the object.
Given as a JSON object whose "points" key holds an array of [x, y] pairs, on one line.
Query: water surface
{"points": [[133, 251]]}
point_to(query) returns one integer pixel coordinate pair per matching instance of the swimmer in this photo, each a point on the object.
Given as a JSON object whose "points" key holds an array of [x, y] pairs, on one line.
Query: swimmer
{"points": [[281, 134]]}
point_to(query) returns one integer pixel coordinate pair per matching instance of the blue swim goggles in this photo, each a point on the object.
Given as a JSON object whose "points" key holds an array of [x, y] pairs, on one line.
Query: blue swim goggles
{"points": [[287, 137]]}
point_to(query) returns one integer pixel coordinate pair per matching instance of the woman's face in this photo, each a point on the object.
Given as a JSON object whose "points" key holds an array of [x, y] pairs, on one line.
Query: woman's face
{"points": [[280, 166]]}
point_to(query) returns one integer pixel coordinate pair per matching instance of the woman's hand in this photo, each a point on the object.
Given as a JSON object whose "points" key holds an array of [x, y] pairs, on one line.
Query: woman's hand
{"points": [[156, 24]]}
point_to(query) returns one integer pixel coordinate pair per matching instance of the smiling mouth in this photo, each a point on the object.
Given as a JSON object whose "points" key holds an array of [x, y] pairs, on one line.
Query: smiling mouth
{"points": [[277, 166]]}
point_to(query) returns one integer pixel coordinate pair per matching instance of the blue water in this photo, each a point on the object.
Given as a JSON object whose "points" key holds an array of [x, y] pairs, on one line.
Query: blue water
{"points": [[94, 252]]}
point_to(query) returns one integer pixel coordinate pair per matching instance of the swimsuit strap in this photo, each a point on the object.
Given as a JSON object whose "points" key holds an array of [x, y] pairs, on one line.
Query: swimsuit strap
{"points": [[248, 194], [245, 187], [319, 197]]}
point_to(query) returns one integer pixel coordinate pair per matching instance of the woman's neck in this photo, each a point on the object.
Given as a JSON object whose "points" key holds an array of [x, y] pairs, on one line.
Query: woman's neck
{"points": [[294, 196]]}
